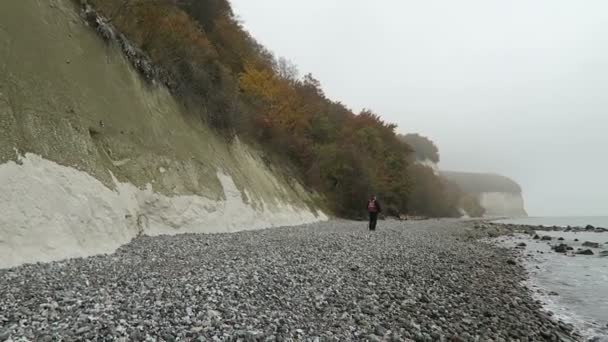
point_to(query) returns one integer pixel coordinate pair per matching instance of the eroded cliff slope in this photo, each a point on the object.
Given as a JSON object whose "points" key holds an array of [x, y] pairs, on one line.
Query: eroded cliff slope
{"points": [[91, 155]]}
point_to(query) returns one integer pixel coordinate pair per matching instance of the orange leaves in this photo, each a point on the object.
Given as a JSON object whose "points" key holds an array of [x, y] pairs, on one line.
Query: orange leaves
{"points": [[236, 47], [169, 35], [262, 84], [239, 85], [278, 100], [161, 29], [344, 155], [183, 34]]}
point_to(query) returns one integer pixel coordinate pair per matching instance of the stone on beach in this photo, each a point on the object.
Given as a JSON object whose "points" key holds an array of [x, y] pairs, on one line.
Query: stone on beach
{"points": [[561, 248], [591, 244], [426, 281]]}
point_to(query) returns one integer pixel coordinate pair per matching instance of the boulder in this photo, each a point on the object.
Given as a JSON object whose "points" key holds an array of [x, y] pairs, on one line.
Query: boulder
{"points": [[562, 248], [380, 330], [591, 244], [561, 239], [576, 240], [546, 238], [566, 327], [563, 337], [604, 253], [585, 252], [589, 227], [521, 244]]}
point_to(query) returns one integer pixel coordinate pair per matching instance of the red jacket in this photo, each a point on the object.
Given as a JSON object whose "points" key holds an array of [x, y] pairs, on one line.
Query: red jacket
{"points": [[373, 206]]}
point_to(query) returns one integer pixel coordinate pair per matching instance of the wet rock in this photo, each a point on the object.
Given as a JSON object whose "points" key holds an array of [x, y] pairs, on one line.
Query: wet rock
{"points": [[591, 244], [546, 238], [83, 330], [521, 244], [4, 335], [585, 252], [380, 330], [562, 248], [566, 327], [560, 239], [589, 227], [536, 237], [562, 337], [374, 338]]}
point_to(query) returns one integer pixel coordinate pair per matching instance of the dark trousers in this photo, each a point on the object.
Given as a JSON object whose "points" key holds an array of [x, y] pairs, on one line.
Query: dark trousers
{"points": [[373, 218]]}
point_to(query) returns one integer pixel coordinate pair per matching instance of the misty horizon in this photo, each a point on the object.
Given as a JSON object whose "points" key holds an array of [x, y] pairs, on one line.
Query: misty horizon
{"points": [[517, 89]]}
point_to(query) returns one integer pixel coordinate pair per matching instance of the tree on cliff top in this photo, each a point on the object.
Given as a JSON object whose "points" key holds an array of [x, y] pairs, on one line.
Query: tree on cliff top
{"points": [[424, 148], [237, 86]]}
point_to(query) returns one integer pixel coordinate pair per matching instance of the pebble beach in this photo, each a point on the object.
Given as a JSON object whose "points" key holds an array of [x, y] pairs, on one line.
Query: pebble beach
{"points": [[430, 280]]}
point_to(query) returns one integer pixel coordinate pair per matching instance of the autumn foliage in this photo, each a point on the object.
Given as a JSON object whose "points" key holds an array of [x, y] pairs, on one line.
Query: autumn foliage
{"points": [[238, 87]]}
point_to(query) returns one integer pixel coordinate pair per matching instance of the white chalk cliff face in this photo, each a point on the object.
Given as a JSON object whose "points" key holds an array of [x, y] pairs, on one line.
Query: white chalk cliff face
{"points": [[51, 212], [498, 195], [430, 164], [499, 204], [91, 155]]}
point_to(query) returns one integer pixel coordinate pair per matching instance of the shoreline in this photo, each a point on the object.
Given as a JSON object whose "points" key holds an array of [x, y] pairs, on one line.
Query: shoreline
{"points": [[409, 281], [566, 271]]}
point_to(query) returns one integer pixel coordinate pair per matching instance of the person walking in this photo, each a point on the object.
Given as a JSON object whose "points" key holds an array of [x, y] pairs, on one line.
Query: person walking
{"points": [[373, 208]]}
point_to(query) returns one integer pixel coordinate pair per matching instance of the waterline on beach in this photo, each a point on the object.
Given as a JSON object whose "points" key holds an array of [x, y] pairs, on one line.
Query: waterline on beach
{"points": [[573, 288]]}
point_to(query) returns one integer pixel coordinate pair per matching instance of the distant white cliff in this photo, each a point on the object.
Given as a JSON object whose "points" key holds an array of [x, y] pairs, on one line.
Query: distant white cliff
{"points": [[498, 195]]}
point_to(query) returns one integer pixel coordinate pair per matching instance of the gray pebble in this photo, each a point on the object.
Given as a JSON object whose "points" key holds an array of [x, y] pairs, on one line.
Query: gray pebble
{"points": [[333, 281]]}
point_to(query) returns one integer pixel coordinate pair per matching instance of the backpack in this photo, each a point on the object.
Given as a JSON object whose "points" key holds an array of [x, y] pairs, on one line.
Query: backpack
{"points": [[371, 206]]}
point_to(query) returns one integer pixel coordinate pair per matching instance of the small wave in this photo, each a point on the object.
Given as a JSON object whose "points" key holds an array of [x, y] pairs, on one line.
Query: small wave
{"points": [[591, 331], [579, 282]]}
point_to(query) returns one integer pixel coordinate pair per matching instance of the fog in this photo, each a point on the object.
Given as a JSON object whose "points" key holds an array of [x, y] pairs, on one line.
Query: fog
{"points": [[518, 88]]}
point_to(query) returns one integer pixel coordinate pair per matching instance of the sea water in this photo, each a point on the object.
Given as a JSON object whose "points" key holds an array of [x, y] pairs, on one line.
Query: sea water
{"points": [[581, 281], [582, 221]]}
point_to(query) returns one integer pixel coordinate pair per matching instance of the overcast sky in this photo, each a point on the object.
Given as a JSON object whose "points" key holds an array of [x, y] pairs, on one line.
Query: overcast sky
{"points": [[515, 87]]}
